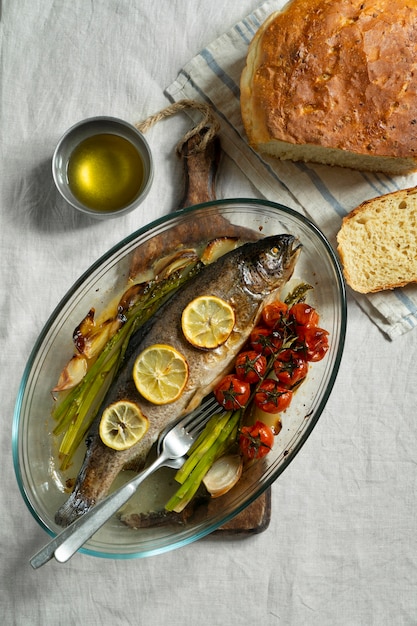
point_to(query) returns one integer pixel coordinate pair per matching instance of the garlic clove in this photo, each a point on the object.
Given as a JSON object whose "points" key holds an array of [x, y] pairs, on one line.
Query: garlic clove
{"points": [[72, 373]]}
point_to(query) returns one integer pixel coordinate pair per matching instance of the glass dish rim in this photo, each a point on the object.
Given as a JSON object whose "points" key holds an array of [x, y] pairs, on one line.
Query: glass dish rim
{"points": [[97, 264]]}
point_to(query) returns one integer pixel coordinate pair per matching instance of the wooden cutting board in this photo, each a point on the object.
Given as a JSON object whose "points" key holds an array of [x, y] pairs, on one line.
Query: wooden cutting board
{"points": [[200, 169], [254, 519]]}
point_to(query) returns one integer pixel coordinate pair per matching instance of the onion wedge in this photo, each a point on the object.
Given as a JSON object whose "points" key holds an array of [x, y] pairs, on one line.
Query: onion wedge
{"points": [[223, 474]]}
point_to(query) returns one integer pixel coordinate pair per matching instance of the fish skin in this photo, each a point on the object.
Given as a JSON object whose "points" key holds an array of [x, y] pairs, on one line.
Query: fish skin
{"points": [[247, 277]]}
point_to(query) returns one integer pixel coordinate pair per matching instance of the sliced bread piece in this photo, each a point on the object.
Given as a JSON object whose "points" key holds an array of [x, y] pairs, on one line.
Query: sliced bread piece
{"points": [[377, 242]]}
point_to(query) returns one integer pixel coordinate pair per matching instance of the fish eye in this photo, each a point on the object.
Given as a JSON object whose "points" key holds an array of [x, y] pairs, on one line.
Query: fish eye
{"points": [[275, 250]]}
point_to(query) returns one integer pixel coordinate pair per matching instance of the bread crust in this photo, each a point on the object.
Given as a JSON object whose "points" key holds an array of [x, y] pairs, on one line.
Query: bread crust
{"points": [[339, 74]]}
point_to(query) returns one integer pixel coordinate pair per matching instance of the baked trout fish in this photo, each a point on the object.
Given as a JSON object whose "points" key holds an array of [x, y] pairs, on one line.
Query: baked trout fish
{"points": [[247, 278]]}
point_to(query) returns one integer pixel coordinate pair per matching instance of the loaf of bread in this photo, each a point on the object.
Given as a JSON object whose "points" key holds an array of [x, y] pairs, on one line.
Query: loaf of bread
{"points": [[335, 82], [377, 242]]}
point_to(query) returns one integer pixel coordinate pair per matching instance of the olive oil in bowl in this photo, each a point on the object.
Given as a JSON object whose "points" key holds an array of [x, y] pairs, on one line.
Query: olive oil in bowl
{"points": [[105, 172], [103, 166]]}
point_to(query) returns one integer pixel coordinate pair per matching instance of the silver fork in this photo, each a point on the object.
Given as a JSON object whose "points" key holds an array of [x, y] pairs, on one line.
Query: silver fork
{"points": [[173, 443]]}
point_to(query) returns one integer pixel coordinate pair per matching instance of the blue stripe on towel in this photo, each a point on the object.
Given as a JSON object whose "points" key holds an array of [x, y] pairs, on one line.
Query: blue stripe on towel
{"points": [[252, 19], [380, 186], [243, 35], [251, 24], [409, 304], [268, 168], [220, 73], [321, 187]]}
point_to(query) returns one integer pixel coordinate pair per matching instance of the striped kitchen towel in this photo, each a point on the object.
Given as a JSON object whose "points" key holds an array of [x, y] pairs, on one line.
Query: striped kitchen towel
{"points": [[324, 194]]}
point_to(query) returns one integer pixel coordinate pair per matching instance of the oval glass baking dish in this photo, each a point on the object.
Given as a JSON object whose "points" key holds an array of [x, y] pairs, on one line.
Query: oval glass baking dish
{"points": [[43, 484]]}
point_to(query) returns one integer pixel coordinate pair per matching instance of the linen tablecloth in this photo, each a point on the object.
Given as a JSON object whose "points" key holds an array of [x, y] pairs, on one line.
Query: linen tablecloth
{"points": [[340, 549]]}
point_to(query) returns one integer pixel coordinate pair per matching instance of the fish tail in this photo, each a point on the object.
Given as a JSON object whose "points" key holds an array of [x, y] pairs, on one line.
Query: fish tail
{"points": [[73, 508]]}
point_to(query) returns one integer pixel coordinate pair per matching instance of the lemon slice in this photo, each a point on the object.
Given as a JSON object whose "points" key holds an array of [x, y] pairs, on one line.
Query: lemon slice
{"points": [[122, 425], [160, 373], [207, 321]]}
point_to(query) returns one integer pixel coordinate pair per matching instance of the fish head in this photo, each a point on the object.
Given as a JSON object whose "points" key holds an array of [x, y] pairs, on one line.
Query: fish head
{"points": [[269, 263]]}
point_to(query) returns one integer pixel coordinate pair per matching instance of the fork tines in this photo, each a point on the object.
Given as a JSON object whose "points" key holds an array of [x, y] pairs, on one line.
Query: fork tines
{"points": [[197, 418]]}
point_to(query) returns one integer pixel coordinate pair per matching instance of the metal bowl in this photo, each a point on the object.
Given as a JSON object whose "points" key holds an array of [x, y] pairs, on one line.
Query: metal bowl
{"points": [[126, 181]]}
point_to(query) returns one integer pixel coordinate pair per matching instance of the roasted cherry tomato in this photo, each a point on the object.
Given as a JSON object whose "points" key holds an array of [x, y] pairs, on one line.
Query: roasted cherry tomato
{"points": [[256, 441], [274, 313], [304, 314], [232, 393], [250, 366], [265, 340], [313, 341], [272, 397], [290, 368]]}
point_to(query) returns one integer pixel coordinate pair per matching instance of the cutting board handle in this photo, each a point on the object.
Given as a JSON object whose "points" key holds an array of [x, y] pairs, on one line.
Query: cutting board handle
{"points": [[200, 165]]}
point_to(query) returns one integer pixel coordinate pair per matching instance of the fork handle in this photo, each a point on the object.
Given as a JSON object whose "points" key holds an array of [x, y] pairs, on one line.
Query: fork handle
{"points": [[66, 544]]}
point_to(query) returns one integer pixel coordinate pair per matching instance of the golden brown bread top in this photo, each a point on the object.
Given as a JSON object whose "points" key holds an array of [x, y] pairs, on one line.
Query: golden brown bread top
{"points": [[336, 73]]}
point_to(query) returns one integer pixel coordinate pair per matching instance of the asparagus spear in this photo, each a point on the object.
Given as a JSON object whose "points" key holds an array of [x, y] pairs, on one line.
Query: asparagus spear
{"points": [[201, 446], [215, 449]]}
